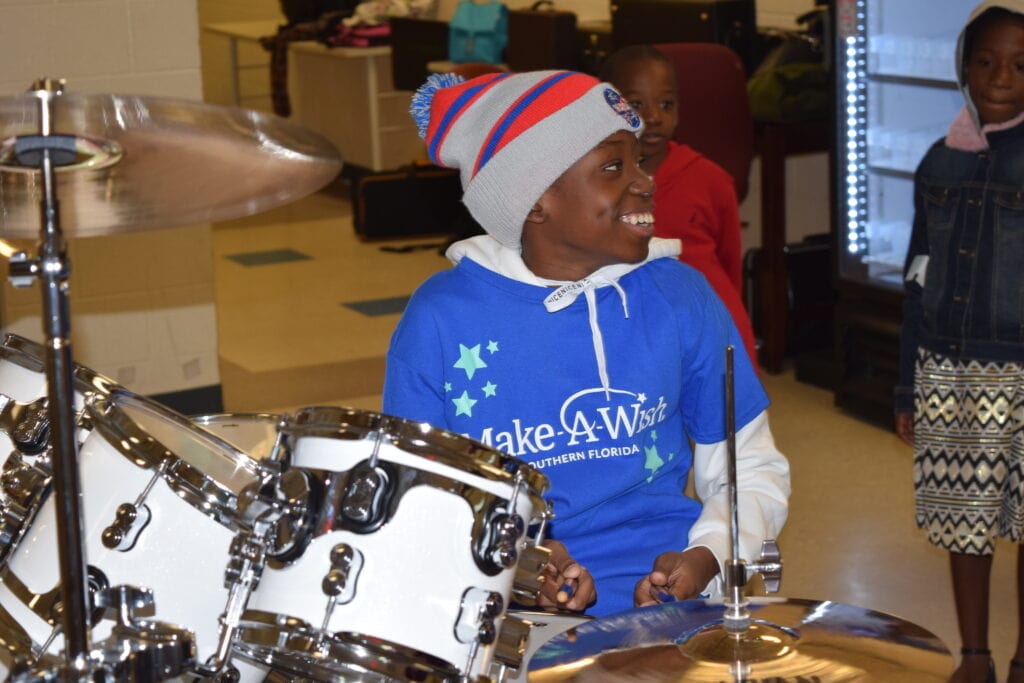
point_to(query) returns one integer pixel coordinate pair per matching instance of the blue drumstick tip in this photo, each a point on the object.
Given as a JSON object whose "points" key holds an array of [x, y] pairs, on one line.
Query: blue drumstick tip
{"points": [[666, 597]]}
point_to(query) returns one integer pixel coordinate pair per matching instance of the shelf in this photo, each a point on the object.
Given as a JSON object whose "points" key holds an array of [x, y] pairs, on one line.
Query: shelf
{"points": [[907, 79], [891, 172]]}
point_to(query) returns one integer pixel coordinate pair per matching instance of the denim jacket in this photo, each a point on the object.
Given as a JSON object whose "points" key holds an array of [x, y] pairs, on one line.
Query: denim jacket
{"points": [[968, 242]]}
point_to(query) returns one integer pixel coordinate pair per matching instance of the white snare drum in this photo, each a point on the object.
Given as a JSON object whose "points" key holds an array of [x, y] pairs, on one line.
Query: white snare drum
{"points": [[408, 556], [182, 483]]}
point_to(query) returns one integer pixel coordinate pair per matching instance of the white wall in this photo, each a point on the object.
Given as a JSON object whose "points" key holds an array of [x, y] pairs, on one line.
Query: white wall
{"points": [[145, 47]]}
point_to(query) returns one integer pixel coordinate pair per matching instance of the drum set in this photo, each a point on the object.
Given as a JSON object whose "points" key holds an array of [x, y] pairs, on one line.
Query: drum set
{"points": [[331, 544]]}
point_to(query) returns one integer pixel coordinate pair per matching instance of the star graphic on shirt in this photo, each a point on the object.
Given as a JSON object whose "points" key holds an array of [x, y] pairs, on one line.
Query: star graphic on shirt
{"points": [[490, 388], [641, 397], [464, 404], [447, 387], [492, 346], [654, 435], [469, 360], [653, 462]]}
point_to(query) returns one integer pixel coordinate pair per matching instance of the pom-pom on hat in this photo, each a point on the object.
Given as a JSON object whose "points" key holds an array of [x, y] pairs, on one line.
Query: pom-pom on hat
{"points": [[513, 135]]}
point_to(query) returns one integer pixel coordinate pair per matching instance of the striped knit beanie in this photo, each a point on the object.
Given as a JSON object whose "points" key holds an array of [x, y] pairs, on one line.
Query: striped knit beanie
{"points": [[513, 135]]}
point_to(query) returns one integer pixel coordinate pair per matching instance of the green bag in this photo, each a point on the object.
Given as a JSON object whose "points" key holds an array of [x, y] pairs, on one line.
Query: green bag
{"points": [[789, 93]]}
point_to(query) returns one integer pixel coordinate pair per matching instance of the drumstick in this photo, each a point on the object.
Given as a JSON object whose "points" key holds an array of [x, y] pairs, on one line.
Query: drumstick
{"points": [[665, 596], [564, 593]]}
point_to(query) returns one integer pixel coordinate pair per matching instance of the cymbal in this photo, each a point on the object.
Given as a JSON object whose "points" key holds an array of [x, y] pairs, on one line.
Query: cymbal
{"points": [[141, 163], [789, 640]]}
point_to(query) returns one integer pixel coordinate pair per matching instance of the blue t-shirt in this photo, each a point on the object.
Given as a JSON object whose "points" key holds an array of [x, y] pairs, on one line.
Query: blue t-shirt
{"points": [[478, 353]]}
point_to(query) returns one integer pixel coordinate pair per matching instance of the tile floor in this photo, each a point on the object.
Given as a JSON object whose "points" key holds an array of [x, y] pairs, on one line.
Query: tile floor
{"points": [[313, 331]]}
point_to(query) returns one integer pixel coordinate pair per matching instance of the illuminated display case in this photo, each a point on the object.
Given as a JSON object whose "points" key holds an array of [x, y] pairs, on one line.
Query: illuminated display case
{"points": [[896, 95]]}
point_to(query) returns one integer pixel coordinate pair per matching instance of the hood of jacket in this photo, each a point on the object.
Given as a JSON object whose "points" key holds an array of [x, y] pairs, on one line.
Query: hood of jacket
{"points": [[1015, 6], [491, 254]]}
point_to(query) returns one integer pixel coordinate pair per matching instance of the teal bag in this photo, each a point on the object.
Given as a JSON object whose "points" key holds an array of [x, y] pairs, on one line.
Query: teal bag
{"points": [[478, 32]]}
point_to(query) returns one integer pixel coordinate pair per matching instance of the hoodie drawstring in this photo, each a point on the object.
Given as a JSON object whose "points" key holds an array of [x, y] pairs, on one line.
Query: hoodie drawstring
{"points": [[567, 294]]}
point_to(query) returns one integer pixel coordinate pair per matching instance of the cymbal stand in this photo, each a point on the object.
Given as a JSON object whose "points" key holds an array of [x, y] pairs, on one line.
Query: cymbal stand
{"points": [[51, 268], [737, 572]]}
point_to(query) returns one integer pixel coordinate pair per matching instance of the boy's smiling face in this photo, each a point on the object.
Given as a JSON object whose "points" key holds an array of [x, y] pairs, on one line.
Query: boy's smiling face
{"points": [[994, 71], [650, 88], [599, 212]]}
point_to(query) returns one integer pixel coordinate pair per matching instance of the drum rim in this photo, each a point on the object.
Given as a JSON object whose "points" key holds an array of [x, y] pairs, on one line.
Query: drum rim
{"points": [[456, 450], [329, 649], [206, 494], [209, 418], [32, 356]]}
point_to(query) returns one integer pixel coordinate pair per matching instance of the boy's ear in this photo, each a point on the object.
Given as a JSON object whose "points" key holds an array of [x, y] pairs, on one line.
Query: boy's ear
{"points": [[537, 214]]}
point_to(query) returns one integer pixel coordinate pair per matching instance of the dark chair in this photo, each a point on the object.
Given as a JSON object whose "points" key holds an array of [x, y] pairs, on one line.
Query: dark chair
{"points": [[714, 112], [415, 43]]}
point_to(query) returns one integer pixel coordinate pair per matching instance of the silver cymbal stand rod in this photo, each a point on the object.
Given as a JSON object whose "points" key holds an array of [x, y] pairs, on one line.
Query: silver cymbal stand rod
{"points": [[53, 272], [737, 616]]}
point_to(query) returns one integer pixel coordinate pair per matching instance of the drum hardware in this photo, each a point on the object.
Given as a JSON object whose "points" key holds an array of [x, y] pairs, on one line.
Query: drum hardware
{"points": [[286, 500], [367, 495], [510, 646], [22, 483], [131, 518], [48, 605], [736, 627], [496, 545], [141, 650], [43, 151], [417, 438], [247, 559], [27, 424], [339, 584], [475, 624], [137, 650], [530, 574], [477, 611], [298, 652], [136, 443]]}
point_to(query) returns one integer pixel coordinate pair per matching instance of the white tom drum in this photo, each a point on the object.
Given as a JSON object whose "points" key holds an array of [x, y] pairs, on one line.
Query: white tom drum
{"points": [[159, 506], [406, 558]]}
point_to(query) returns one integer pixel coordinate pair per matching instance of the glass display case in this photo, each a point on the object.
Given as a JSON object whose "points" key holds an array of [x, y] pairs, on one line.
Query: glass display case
{"points": [[896, 94]]}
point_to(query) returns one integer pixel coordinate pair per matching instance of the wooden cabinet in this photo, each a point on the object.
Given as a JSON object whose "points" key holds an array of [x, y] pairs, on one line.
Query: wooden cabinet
{"points": [[346, 94]]}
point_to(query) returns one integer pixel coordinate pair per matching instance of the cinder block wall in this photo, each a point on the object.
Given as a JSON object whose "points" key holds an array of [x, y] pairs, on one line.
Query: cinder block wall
{"points": [[143, 303]]}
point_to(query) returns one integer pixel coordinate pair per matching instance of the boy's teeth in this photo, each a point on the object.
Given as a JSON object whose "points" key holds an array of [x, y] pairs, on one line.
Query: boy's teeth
{"points": [[645, 218]]}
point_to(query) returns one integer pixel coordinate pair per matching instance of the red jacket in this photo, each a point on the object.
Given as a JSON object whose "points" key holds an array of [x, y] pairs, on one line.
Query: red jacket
{"points": [[695, 201]]}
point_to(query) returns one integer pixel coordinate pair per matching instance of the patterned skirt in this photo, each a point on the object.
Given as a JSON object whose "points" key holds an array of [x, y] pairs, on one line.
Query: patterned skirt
{"points": [[969, 452]]}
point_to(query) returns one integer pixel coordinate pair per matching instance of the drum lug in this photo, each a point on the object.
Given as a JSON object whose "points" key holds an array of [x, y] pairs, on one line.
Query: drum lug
{"points": [[340, 581], [496, 548], [366, 497], [28, 425], [530, 574], [22, 482], [476, 616], [129, 521]]}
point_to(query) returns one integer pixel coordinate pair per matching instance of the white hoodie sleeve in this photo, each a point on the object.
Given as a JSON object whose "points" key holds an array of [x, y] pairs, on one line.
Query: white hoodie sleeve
{"points": [[762, 484]]}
